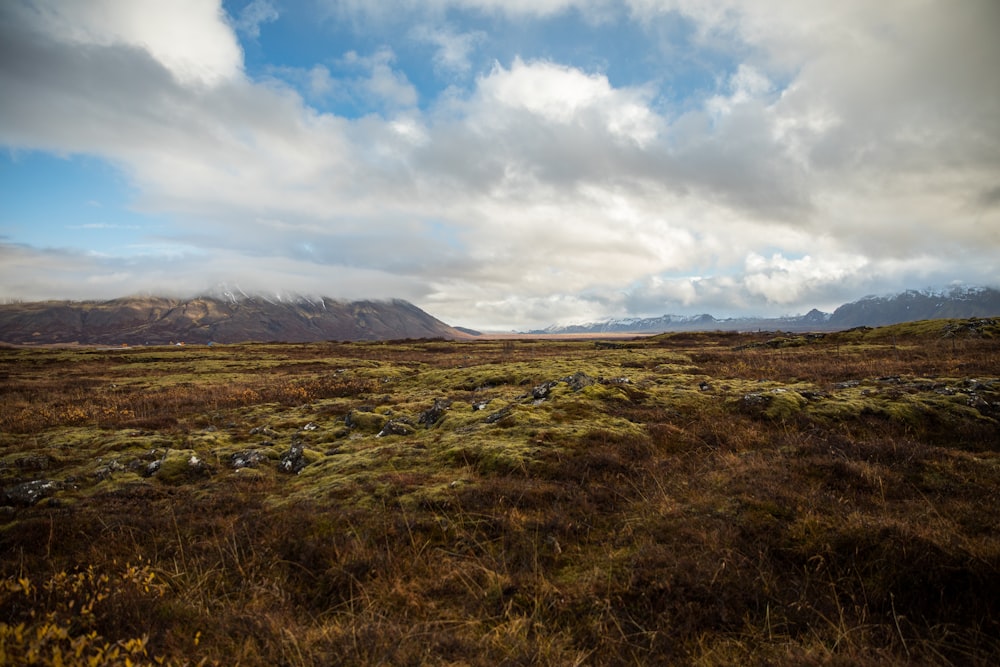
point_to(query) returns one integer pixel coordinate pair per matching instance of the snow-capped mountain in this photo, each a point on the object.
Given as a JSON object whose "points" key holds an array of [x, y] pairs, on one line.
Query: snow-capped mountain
{"points": [[956, 302], [911, 305], [632, 324]]}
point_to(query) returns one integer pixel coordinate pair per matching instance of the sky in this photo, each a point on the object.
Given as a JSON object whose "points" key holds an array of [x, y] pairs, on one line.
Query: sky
{"points": [[502, 164]]}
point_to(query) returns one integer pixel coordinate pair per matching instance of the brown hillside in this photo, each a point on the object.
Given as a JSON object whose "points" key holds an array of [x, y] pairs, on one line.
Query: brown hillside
{"points": [[160, 320]]}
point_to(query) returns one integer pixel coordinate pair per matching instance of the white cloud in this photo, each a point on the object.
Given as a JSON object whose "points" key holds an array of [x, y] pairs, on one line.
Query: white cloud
{"points": [[102, 225], [556, 93], [746, 85], [188, 37], [383, 84], [529, 8], [320, 81], [253, 15], [176, 272], [567, 96], [783, 280], [454, 48], [852, 149]]}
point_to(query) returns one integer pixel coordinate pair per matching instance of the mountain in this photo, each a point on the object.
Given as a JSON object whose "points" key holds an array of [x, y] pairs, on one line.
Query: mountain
{"points": [[872, 311], [221, 318], [912, 305], [813, 321]]}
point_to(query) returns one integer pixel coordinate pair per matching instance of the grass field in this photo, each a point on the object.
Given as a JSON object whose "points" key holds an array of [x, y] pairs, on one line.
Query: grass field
{"points": [[693, 499]]}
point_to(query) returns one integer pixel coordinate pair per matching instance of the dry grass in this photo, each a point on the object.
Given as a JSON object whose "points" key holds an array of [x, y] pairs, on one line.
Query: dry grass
{"points": [[728, 505]]}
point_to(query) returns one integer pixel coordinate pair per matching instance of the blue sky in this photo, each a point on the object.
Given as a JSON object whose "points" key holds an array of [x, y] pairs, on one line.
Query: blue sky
{"points": [[501, 164]]}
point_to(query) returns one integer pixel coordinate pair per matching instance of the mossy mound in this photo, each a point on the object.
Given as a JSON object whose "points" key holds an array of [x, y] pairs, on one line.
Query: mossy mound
{"points": [[362, 421], [180, 466]]}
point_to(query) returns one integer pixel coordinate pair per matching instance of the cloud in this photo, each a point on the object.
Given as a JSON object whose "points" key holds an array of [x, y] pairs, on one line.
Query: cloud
{"points": [[565, 95], [188, 37], [453, 48], [783, 280], [253, 15], [383, 11], [102, 225], [746, 86], [845, 149], [383, 84], [320, 81], [79, 275]]}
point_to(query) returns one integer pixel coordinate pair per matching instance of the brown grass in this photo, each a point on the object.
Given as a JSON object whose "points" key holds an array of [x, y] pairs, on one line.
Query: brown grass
{"points": [[667, 521]]}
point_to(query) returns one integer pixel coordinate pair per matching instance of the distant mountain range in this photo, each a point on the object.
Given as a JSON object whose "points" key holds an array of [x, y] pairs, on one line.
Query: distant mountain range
{"points": [[870, 311], [224, 318], [231, 317]]}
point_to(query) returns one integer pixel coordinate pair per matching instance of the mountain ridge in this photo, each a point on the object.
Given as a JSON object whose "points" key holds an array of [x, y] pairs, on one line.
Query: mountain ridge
{"points": [[158, 320], [871, 310], [225, 315]]}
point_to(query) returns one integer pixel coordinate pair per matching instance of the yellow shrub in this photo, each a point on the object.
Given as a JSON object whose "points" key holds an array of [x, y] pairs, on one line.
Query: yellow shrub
{"points": [[57, 619]]}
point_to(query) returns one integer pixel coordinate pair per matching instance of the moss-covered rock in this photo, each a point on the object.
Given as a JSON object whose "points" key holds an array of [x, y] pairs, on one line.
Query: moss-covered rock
{"points": [[365, 422], [181, 466], [778, 404]]}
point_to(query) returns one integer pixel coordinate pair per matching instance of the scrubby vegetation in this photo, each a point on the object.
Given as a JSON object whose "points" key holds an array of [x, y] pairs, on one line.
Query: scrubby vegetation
{"points": [[698, 499]]}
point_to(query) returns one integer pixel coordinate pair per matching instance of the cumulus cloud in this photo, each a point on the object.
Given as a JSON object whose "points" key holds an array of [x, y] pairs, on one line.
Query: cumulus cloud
{"points": [[783, 280], [850, 148], [564, 95], [188, 37]]}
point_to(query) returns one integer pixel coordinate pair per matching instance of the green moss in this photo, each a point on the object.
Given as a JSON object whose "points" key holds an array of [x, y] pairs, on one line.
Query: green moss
{"points": [[181, 466], [784, 405], [491, 457], [604, 392], [838, 408], [595, 517], [366, 422], [312, 456]]}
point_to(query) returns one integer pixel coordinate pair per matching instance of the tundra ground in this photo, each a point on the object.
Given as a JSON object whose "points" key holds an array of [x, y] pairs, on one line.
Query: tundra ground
{"points": [[699, 499]]}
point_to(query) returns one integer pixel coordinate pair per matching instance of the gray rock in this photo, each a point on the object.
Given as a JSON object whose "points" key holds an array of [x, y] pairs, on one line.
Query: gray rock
{"points": [[755, 400], [250, 458], [395, 427], [542, 391], [494, 417], [29, 493], [435, 413], [578, 380], [294, 460], [109, 469]]}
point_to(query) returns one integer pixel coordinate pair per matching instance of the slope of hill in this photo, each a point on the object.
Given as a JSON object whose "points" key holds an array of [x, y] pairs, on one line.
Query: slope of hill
{"points": [[160, 320], [870, 311]]}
